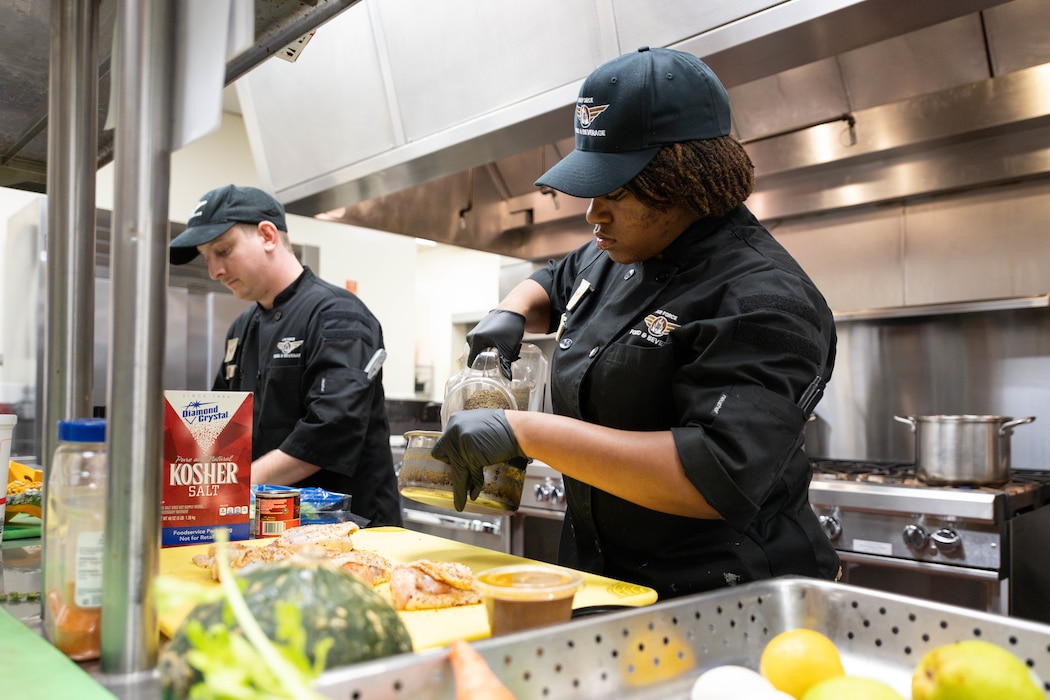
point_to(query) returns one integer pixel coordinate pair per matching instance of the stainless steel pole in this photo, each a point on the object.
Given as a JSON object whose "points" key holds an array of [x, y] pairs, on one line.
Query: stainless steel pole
{"points": [[143, 80], [72, 157]]}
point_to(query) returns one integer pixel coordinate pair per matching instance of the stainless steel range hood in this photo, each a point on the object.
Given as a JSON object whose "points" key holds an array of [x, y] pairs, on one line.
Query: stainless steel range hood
{"points": [[25, 35], [840, 104]]}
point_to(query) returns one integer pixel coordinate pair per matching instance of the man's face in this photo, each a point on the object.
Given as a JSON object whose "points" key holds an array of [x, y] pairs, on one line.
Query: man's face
{"points": [[236, 258]]}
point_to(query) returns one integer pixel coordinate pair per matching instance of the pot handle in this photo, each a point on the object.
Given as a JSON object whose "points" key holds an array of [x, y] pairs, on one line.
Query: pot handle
{"points": [[910, 420], [1005, 427]]}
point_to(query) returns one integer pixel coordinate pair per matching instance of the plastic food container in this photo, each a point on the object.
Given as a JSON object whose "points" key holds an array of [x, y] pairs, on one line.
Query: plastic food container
{"points": [[427, 480], [529, 378], [523, 596], [481, 386]]}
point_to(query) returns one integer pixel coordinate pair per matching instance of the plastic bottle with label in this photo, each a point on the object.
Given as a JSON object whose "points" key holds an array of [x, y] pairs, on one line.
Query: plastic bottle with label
{"points": [[74, 530]]}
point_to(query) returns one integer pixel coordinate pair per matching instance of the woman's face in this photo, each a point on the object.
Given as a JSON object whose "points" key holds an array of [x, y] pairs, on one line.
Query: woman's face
{"points": [[630, 231]]}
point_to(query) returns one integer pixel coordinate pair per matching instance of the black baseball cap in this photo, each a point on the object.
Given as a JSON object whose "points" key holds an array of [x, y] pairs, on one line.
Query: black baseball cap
{"points": [[630, 107], [219, 210]]}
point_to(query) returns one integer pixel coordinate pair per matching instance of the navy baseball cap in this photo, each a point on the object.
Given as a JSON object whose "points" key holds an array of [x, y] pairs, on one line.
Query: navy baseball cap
{"points": [[217, 212], [630, 107]]}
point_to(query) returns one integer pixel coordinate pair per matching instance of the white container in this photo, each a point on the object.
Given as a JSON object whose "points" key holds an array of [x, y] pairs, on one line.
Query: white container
{"points": [[74, 531], [7, 431]]}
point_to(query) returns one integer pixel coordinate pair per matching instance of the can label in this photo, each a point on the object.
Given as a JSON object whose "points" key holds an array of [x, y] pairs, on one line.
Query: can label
{"points": [[275, 512]]}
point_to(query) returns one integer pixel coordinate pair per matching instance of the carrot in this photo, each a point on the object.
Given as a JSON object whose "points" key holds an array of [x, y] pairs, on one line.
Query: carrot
{"points": [[474, 679]]}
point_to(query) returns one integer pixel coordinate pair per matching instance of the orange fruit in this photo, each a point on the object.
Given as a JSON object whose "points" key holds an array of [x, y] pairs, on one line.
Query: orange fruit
{"points": [[796, 660]]}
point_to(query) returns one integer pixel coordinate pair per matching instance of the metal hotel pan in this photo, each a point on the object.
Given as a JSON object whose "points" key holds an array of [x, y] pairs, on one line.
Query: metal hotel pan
{"points": [[660, 650]]}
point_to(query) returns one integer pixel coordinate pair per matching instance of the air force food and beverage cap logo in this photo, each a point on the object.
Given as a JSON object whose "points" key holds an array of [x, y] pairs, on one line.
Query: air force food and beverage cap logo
{"points": [[586, 115]]}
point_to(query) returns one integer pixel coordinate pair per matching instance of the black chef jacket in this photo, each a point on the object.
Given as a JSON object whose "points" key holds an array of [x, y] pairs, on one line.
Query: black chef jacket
{"points": [[717, 341], [304, 359]]}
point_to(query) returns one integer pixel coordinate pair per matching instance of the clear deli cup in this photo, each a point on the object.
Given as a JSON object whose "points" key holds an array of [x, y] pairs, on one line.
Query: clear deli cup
{"points": [[522, 596]]}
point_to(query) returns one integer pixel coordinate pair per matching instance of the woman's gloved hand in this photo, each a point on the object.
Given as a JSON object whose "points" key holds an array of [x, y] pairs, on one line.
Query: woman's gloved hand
{"points": [[471, 441], [500, 329]]}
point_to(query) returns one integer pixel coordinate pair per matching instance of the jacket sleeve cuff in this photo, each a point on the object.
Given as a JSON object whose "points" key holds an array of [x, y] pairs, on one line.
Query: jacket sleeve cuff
{"points": [[706, 473]]}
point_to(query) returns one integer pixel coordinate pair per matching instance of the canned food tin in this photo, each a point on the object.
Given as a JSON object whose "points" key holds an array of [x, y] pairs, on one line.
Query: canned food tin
{"points": [[275, 512]]}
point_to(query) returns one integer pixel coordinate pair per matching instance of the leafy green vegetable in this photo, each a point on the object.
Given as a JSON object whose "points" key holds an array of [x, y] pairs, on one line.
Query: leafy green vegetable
{"points": [[298, 617], [29, 497], [235, 659]]}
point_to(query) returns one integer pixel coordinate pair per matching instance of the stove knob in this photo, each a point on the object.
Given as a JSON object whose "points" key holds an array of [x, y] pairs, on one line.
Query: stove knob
{"points": [[543, 492], [915, 537], [946, 539], [558, 495], [831, 526]]}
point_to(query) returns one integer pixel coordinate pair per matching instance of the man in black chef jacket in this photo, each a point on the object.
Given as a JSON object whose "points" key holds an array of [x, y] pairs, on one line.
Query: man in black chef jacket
{"points": [[310, 352], [690, 350]]}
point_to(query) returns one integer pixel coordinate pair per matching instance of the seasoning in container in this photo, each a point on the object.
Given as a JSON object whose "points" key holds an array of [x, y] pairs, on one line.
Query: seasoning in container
{"points": [[275, 512], [487, 398]]}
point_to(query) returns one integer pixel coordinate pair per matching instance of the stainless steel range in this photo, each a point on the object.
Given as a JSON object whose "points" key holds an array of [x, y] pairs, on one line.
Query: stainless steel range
{"points": [[979, 547]]}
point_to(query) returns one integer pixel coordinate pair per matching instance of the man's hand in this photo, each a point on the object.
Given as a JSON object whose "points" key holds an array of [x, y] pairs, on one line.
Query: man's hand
{"points": [[500, 329], [472, 440]]}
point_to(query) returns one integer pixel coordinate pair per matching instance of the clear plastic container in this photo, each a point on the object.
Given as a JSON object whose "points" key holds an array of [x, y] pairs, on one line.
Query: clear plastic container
{"points": [[529, 378], [528, 383], [428, 480], [481, 386], [74, 530], [523, 596]]}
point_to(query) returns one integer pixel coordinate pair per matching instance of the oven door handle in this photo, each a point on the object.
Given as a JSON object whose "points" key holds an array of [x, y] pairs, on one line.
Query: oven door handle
{"points": [[913, 565], [450, 521]]}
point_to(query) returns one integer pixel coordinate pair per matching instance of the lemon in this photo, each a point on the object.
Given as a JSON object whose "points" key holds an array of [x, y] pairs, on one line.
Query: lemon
{"points": [[796, 660]]}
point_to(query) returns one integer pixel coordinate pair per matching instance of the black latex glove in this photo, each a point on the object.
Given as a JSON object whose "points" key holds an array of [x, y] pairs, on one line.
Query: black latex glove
{"points": [[500, 329], [471, 441]]}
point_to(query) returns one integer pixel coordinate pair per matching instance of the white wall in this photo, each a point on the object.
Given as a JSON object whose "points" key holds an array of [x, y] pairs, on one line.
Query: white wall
{"points": [[413, 296], [450, 281], [13, 300]]}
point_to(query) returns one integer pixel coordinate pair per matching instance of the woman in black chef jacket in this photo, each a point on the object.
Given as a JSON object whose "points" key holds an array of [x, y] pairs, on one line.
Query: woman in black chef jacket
{"points": [[691, 347]]}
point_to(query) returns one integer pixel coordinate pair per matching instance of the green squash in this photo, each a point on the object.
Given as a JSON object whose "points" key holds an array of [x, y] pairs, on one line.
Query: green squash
{"points": [[333, 604]]}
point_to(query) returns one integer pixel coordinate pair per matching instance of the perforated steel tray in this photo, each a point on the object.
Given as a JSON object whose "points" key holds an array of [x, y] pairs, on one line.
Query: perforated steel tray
{"points": [[660, 650]]}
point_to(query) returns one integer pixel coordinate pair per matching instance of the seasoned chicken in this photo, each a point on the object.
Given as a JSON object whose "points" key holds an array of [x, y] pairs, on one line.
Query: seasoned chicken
{"points": [[366, 566], [426, 584], [333, 538], [241, 555]]}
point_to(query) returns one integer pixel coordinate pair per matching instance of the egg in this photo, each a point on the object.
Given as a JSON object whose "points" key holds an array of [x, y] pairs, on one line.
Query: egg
{"points": [[732, 683]]}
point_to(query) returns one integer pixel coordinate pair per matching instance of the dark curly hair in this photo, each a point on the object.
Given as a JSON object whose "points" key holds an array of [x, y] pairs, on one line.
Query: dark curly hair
{"points": [[709, 177]]}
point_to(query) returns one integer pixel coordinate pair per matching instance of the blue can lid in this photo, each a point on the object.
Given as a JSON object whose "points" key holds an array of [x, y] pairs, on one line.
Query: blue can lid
{"points": [[82, 430]]}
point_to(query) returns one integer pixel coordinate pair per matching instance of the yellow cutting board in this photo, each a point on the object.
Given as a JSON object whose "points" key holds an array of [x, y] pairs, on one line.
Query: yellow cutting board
{"points": [[428, 628]]}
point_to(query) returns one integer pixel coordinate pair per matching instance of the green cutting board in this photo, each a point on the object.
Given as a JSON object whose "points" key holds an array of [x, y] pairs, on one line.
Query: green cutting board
{"points": [[32, 669]]}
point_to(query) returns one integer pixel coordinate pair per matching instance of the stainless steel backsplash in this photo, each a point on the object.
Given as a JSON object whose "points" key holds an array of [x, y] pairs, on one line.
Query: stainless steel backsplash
{"points": [[977, 363]]}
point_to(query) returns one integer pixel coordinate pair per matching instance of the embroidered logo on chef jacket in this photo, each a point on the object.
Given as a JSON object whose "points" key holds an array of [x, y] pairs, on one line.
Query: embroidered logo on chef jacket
{"points": [[657, 326], [286, 348], [586, 114]]}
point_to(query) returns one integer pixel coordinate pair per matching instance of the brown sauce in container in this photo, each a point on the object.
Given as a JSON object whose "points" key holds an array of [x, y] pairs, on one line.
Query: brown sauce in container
{"points": [[524, 596]]}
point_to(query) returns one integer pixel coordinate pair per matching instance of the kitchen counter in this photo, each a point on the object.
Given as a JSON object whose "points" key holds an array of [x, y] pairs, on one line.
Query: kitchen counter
{"points": [[34, 670], [428, 628], [30, 667]]}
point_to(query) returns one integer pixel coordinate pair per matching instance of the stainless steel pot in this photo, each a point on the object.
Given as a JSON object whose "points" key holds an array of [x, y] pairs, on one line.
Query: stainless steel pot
{"points": [[963, 450]]}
